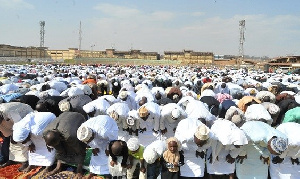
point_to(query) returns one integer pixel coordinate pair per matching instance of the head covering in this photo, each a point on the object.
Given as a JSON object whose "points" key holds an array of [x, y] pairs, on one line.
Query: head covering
{"points": [[150, 155], [172, 157], [236, 119], [143, 111], [114, 115], [239, 137], [64, 106], [176, 113], [123, 94], [202, 132], [130, 121], [133, 144], [278, 144], [84, 133]]}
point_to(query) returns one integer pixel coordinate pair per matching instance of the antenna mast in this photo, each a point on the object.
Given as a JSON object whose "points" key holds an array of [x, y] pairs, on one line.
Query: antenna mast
{"points": [[42, 33], [242, 39], [80, 38]]}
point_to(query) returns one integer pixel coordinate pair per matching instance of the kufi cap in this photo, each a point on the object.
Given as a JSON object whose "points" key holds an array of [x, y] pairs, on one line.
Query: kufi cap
{"points": [[278, 144], [114, 115], [175, 96], [84, 133], [273, 109], [150, 156], [64, 106], [116, 83], [176, 113], [133, 144], [202, 132], [130, 121], [236, 119], [143, 111], [123, 94]]}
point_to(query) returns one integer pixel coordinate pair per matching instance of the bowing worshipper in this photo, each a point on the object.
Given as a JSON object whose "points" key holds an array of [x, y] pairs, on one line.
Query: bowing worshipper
{"points": [[263, 140], [135, 157], [119, 112], [152, 154], [287, 165], [115, 88], [257, 112], [90, 79], [292, 115], [31, 100], [224, 106], [28, 131], [235, 115], [195, 139], [226, 146], [103, 87], [247, 101], [118, 156], [284, 106], [75, 103], [128, 97], [158, 93], [97, 132], [212, 104], [266, 96], [171, 114], [184, 101], [197, 109], [172, 159], [221, 88], [96, 107], [149, 116], [12, 152], [133, 122], [273, 110], [174, 94], [61, 135], [49, 104]]}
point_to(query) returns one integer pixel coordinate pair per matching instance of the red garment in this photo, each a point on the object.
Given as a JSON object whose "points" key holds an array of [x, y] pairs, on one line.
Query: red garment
{"points": [[90, 80]]}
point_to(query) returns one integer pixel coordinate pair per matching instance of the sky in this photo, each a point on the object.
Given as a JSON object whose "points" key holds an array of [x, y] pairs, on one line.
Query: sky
{"points": [[272, 27]]}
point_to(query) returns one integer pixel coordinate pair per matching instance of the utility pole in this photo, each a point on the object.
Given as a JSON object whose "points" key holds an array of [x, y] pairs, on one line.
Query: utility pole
{"points": [[242, 39], [42, 33], [80, 38]]}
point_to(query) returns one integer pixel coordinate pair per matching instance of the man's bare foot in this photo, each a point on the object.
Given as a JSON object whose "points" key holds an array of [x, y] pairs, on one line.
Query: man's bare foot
{"points": [[29, 168], [8, 163], [23, 166]]}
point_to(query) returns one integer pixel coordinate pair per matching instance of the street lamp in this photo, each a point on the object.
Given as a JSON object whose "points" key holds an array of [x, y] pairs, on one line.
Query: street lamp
{"points": [[92, 46]]}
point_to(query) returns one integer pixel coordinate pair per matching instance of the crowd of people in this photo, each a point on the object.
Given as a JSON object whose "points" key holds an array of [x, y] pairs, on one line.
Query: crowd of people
{"points": [[149, 121]]}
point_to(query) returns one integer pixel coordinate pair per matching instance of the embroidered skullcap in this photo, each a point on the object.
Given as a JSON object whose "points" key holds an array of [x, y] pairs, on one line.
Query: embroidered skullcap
{"points": [[123, 94], [143, 111], [176, 113], [202, 132], [114, 115], [84, 133], [130, 121], [64, 106], [133, 144], [279, 145]]}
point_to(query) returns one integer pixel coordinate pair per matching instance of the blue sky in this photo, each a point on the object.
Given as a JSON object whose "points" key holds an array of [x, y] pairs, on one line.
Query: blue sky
{"points": [[272, 26]]}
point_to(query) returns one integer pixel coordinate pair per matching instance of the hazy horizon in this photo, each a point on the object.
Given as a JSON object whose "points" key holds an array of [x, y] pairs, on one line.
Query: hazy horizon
{"points": [[272, 27]]}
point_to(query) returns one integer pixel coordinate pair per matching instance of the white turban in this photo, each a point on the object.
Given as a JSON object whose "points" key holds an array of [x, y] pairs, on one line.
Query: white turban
{"points": [[133, 144]]}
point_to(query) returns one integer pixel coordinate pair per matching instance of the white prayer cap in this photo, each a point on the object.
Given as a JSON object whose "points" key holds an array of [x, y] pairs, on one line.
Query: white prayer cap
{"points": [[202, 132], [123, 94], [84, 133], [239, 137], [64, 106], [133, 144], [176, 113], [150, 155]]}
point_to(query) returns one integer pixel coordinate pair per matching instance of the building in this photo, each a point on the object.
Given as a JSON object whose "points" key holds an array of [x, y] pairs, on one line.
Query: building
{"points": [[190, 57], [288, 61], [24, 52], [73, 53]]}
